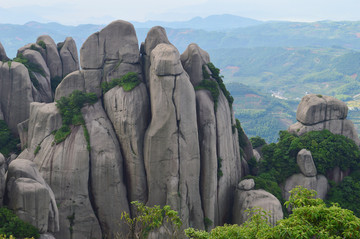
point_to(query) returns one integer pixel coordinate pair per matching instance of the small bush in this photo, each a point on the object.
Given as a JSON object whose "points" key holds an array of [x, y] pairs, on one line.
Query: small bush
{"points": [[55, 82], [42, 44], [211, 86], [10, 224], [129, 81], [37, 149], [257, 141], [7, 141]]}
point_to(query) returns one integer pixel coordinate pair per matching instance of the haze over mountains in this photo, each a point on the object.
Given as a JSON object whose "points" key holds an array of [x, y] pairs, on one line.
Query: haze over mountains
{"points": [[283, 59]]}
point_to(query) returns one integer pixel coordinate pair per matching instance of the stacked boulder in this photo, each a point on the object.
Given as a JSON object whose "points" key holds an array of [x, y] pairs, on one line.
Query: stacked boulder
{"points": [[308, 178], [246, 197], [160, 143], [319, 112]]}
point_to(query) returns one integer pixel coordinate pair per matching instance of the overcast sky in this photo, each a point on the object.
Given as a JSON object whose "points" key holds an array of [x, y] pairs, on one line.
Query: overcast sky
{"points": [[74, 12]]}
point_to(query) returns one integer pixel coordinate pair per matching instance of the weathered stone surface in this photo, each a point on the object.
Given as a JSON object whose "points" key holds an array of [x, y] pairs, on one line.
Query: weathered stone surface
{"points": [[107, 181], [47, 236], [116, 43], [84, 80], [246, 184], [25, 169], [129, 113], [43, 87], [318, 183], [44, 119], [15, 93], [337, 175], [2, 179], [306, 163], [66, 168], [257, 155], [155, 36], [69, 56], [23, 128], [51, 56], [30, 201], [193, 60], [1, 113], [172, 157], [314, 109], [256, 198], [209, 162], [3, 56], [343, 127]]}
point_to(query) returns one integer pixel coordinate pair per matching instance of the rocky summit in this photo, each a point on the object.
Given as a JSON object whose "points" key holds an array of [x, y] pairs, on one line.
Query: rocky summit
{"points": [[150, 135]]}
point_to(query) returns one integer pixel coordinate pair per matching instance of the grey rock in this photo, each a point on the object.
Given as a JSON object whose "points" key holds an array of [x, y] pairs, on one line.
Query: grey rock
{"points": [[116, 43], [51, 56], [47, 236], [314, 109], [3, 56], [193, 60], [306, 163], [129, 113], [69, 56], [342, 127], [15, 93], [25, 169], [209, 162], [107, 181], [1, 114], [23, 128], [256, 198], [155, 36], [30, 201], [2, 178], [318, 183], [84, 80], [171, 140], [246, 184], [257, 155]]}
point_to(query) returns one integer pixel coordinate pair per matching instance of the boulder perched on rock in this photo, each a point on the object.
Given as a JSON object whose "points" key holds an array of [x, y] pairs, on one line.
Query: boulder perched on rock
{"points": [[319, 112], [246, 184], [318, 183], [247, 199], [306, 163]]}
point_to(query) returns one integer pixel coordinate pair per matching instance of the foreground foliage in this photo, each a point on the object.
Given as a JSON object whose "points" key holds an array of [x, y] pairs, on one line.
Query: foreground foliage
{"points": [[12, 227], [311, 218], [148, 219]]}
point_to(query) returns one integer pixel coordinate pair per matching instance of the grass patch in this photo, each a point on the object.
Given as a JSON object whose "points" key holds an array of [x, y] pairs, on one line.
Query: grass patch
{"points": [[129, 81]]}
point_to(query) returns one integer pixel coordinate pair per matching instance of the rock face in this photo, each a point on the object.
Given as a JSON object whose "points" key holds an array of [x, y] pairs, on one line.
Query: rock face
{"points": [[3, 56], [160, 143], [247, 198], [318, 183], [30, 196], [2, 179], [171, 140], [306, 163], [317, 112]]}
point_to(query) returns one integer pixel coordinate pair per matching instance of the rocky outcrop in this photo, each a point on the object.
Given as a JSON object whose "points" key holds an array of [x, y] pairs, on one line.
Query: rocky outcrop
{"points": [[306, 163], [246, 198], [51, 55], [171, 140], [30, 196], [15, 93], [308, 177], [69, 56], [3, 56], [318, 112]]}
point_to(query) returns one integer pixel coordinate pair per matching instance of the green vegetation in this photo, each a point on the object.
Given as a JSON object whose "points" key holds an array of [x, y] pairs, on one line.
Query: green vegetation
{"points": [[219, 165], [71, 220], [129, 81], [211, 86], [32, 68], [70, 110], [311, 218], [267, 182], [36, 151], [7, 141], [55, 82], [257, 141], [10, 224], [42, 44], [147, 219]]}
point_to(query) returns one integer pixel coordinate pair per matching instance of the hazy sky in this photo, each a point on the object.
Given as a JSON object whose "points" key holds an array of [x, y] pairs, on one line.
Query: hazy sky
{"points": [[74, 12]]}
